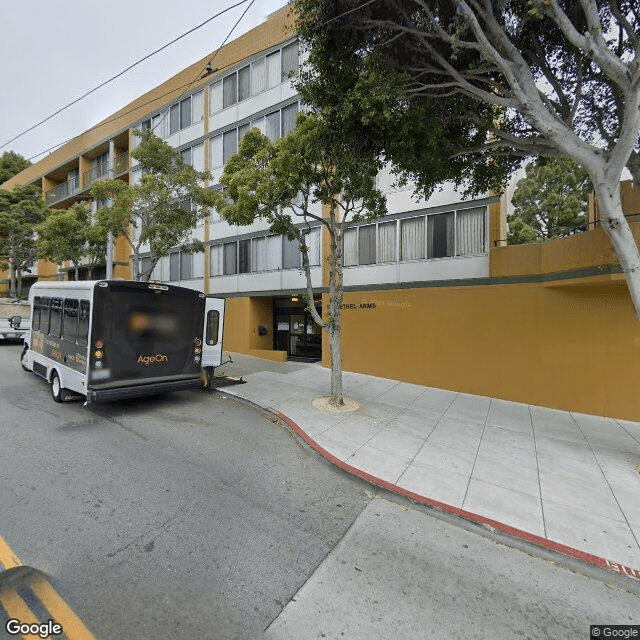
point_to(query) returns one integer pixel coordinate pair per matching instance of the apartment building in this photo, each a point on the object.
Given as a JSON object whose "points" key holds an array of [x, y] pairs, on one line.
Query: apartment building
{"points": [[204, 118], [431, 296]]}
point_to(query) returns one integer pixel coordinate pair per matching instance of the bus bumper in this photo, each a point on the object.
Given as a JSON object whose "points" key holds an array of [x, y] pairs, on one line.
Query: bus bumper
{"points": [[141, 390]]}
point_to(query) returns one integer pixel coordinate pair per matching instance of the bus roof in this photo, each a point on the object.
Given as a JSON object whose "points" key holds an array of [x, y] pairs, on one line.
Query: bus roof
{"points": [[41, 287]]}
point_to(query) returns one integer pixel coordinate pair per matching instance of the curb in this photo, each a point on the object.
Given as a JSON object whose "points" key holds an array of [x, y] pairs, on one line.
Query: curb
{"points": [[494, 525]]}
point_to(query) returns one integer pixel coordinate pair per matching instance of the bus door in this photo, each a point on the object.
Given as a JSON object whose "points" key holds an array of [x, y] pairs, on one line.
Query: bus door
{"points": [[213, 326]]}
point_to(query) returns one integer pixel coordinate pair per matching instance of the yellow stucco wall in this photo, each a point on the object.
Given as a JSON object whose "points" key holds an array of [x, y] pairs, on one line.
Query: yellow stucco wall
{"points": [[241, 321], [547, 345]]}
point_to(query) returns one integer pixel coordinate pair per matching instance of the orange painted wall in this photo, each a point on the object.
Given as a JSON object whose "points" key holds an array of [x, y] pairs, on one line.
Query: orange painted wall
{"points": [[241, 321], [548, 345]]}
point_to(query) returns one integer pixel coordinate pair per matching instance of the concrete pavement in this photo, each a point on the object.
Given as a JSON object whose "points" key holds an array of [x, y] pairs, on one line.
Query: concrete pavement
{"points": [[565, 481]]}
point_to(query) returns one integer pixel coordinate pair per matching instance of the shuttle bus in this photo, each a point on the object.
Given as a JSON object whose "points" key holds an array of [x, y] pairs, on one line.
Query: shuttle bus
{"points": [[112, 339]]}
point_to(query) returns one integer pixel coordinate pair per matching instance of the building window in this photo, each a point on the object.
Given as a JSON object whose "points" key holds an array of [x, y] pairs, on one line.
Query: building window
{"points": [[258, 76], [174, 119], [263, 253], [102, 165], [244, 256], [229, 91], [289, 118], [230, 263], [215, 260], [273, 126], [441, 235], [185, 113], [289, 60], [290, 253], [215, 97], [412, 239], [350, 251], [470, 231], [216, 157], [367, 244], [273, 70], [244, 83], [229, 144], [242, 131], [180, 266], [387, 241], [145, 265]]}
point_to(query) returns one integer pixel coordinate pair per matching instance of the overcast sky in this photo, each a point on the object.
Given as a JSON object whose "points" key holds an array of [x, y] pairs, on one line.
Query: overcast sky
{"points": [[51, 53]]}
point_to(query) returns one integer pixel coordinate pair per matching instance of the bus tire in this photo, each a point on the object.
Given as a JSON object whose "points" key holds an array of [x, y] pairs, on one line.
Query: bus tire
{"points": [[57, 392], [22, 355]]}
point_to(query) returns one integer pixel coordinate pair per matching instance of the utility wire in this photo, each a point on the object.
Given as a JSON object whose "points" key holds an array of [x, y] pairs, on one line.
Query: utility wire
{"points": [[208, 65], [119, 115], [149, 55]]}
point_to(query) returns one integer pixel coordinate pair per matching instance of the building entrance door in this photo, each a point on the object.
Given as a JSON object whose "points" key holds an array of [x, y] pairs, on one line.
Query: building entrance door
{"points": [[295, 331]]}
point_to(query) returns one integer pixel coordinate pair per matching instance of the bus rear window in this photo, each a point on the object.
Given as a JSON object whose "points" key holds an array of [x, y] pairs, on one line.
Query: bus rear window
{"points": [[156, 324]]}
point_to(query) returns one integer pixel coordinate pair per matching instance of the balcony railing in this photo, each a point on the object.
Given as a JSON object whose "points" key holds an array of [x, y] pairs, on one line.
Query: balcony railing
{"points": [[121, 164], [101, 171], [62, 191]]}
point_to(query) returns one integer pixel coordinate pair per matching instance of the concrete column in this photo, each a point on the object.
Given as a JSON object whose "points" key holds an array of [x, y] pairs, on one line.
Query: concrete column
{"points": [[109, 256]]}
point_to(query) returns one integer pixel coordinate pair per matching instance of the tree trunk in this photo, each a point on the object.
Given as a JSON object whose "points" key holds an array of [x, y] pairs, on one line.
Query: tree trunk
{"points": [[12, 281], [617, 228], [335, 342], [335, 302], [18, 282]]}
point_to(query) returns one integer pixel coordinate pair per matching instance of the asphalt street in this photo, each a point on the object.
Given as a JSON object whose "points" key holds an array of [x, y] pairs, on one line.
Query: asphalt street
{"points": [[195, 515]]}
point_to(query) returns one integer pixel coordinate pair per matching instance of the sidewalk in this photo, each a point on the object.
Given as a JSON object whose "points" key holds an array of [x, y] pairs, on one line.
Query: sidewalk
{"points": [[565, 481]]}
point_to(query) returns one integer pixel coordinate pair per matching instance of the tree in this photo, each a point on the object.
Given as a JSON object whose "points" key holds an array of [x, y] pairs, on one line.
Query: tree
{"points": [[21, 210], [550, 202], [286, 183], [160, 212], [67, 234], [11, 163], [561, 78]]}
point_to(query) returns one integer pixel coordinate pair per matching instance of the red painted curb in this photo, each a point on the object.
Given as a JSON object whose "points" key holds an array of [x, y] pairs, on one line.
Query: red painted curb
{"points": [[468, 515]]}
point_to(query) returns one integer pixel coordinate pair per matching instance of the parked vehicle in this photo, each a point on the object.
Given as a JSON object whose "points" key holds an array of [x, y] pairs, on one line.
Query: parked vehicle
{"points": [[112, 339], [15, 327]]}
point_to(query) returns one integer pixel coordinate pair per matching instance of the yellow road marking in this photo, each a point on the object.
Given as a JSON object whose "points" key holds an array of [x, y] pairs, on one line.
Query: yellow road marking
{"points": [[17, 609], [8, 559], [60, 611]]}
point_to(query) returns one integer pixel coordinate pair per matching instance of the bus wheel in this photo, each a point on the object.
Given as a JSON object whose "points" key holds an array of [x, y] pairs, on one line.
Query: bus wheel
{"points": [[22, 355], [57, 392]]}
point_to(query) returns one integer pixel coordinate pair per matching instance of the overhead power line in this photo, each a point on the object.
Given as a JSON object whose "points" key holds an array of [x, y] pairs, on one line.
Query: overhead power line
{"points": [[121, 73]]}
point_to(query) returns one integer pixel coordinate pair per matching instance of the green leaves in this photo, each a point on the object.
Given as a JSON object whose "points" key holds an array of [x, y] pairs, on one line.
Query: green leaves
{"points": [[64, 234], [163, 209], [550, 202], [11, 163]]}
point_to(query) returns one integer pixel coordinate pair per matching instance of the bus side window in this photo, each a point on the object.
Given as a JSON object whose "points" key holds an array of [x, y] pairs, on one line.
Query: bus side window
{"points": [[83, 322], [70, 320], [44, 314], [37, 303], [55, 322], [213, 320]]}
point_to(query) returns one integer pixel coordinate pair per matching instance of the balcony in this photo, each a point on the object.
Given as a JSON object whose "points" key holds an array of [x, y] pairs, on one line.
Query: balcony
{"points": [[102, 172], [62, 191]]}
